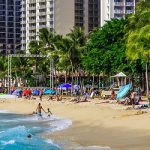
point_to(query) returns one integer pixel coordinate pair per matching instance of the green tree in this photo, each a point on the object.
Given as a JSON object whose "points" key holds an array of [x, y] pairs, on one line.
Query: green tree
{"points": [[138, 36], [75, 42], [105, 49]]}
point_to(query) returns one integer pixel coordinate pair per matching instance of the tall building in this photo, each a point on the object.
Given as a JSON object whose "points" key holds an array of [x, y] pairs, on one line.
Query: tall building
{"points": [[60, 15], [115, 9], [9, 26]]}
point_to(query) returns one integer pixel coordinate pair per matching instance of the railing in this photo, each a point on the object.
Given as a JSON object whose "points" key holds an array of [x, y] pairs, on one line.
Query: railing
{"points": [[129, 4], [118, 11], [129, 11], [119, 4]]}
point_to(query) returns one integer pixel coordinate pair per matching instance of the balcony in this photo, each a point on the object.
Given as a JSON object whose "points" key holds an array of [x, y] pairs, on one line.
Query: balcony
{"points": [[42, 20], [118, 11], [23, 2], [23, 15], [23, 28], [40, 1], [32, 34], [32, 20], [23, 41], [32, 27], [23, 48], [31, 15], [129, 11], [129, 3], [119, 4], [41, 13], [42, 7], [31, 8], [23, 35], [50, 19], [41, 26], [32, 1], [23, 9]]}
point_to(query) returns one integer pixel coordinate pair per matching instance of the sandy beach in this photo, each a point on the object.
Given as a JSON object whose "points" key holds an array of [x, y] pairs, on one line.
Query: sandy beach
{"points": [[93, 123]]}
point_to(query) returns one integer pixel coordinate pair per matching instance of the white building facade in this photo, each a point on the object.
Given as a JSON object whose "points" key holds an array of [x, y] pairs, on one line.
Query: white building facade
{"points": [[63, 15], [115, 9], [36, 14]]}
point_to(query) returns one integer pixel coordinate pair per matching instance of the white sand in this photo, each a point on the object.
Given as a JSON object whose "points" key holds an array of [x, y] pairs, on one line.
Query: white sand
{"points": [[94, 123]]}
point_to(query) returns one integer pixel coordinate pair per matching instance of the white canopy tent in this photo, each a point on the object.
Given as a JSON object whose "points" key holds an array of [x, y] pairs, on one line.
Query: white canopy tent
{"points": [[121, 78]]}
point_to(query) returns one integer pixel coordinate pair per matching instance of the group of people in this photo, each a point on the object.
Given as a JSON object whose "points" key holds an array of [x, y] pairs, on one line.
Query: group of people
{"points": [[133, 98], [39, 110]]}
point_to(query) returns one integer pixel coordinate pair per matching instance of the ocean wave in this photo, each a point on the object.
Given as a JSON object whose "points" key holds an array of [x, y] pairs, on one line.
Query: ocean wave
{"points": [[60, 124], [8, 142], [18, 131], [52, 143], [4, 111]]}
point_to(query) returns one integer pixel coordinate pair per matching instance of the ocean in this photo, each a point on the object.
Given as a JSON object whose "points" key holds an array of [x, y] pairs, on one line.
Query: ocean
{"points": [[15, 128]]}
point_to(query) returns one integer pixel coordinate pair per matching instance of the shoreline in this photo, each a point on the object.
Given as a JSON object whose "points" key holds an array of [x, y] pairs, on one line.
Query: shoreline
{"points": [[93, 124]]}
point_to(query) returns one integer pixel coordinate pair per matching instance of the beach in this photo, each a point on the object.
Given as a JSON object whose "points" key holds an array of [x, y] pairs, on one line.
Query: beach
{"points": [[93, 123]]}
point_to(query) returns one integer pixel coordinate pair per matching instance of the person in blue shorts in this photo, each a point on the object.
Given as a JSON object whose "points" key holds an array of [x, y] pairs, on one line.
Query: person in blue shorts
{"points": [[39, 109]]}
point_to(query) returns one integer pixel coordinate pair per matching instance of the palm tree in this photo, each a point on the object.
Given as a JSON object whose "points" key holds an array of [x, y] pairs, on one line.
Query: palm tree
{"points": [[138, 37], [76, 40]]}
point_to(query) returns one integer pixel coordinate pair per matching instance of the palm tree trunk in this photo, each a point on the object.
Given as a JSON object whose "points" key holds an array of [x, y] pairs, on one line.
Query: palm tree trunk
{"points": [[71, 71], [66, 76], [93, 80], [146, 76]]}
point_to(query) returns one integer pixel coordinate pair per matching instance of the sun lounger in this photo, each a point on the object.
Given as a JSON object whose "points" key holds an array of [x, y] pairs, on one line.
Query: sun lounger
{"points": [[105, 94]]}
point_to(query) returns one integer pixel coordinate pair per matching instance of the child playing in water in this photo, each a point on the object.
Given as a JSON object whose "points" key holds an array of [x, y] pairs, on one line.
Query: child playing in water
{"points": [[49, 112]]}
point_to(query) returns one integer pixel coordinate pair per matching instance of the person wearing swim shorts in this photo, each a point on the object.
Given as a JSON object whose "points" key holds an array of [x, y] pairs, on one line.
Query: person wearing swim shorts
{"points": [[39, 109]]}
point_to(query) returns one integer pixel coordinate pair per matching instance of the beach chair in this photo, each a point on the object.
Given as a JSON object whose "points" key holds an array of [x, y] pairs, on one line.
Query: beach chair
{"points": [[105, 94]]}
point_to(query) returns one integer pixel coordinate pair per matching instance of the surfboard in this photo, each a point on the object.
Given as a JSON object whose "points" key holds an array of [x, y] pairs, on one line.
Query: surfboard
{"points": [[123, 91]]}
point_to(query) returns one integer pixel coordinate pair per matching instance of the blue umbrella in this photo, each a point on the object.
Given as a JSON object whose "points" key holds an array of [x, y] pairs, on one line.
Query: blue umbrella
{"points": [[36, 92], [49, 91], [123, 91], [65, 86]]}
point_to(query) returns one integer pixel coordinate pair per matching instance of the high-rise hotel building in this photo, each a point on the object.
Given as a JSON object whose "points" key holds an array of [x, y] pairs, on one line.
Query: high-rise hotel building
{"points": [[115, 9], [62, 15], [9, 26]]}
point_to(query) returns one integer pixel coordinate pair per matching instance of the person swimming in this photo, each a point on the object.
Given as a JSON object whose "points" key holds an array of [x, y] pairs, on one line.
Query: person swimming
{"points": [[29, 136]]}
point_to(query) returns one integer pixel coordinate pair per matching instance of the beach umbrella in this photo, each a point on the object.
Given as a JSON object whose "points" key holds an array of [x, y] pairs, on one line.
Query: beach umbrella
{"points": [[65, 86], [49, 91], [35, 92], [123, 91], [26, 92], [17, 92]]}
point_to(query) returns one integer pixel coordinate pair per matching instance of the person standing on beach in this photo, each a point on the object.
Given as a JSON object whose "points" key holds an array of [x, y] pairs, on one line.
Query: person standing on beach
{"points": [[113, 94], [39, 109], [149, 98], [133, 98], [40, 94]]}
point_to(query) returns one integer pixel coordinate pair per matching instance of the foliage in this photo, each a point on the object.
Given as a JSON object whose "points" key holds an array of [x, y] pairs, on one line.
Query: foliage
{"points": [[106, 49], [138, 36]]}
